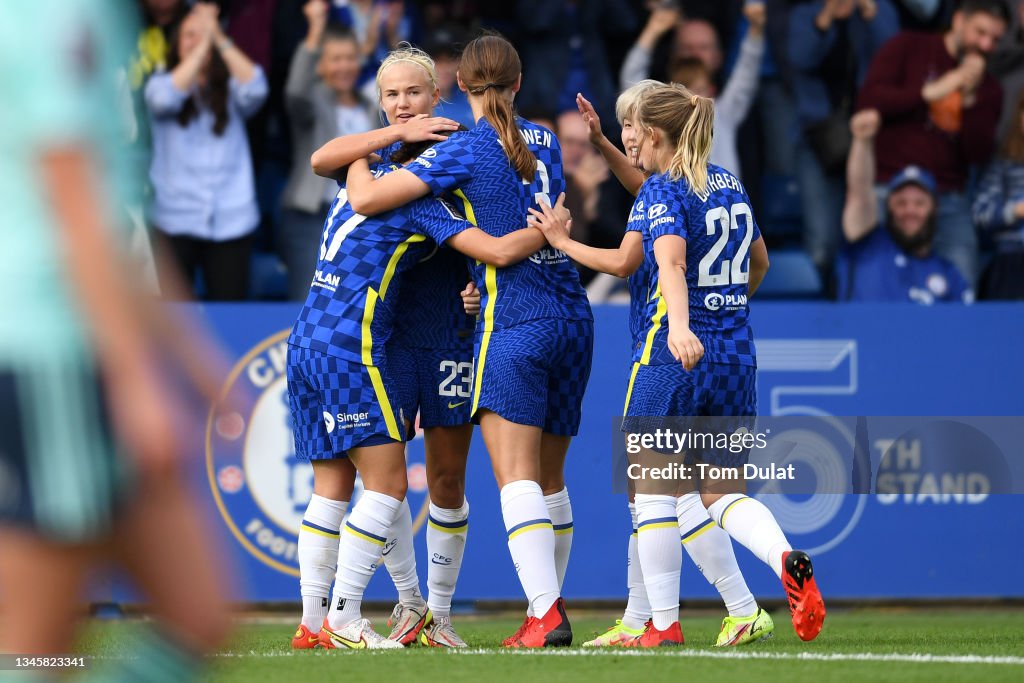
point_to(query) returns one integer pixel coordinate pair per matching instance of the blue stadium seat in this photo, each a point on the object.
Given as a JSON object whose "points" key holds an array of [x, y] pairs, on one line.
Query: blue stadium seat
{"points": [[782, 215], [792, 275], [268, 278]]}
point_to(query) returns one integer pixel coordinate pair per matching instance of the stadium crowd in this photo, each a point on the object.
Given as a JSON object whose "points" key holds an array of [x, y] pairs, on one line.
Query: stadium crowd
{"points": [[840, 116]]}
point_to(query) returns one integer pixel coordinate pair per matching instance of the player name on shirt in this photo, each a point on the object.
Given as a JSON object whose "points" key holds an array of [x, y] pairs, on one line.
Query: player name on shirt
{"points": [[537, 136], [720, 181]]}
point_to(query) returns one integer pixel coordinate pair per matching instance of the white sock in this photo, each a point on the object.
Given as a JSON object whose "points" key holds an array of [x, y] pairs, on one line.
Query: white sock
{"points": [[531, 541], [752, 524], [318, 557], [560, 512], [446, 544], [710, 548], [660, 555], [362, 539], [638, 609], [399, 555]]}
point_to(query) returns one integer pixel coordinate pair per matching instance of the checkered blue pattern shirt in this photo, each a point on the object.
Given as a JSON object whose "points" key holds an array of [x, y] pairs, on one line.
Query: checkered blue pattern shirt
{"points": [[353, 299], [718, 228], [545, 285]]}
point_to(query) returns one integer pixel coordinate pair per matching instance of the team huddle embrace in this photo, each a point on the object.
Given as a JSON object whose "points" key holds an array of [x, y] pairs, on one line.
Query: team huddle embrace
{"points": [[445, 288]]}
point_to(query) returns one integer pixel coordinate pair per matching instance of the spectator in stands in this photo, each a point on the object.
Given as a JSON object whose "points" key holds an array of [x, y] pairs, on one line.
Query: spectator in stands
{"points": [[1007, 64], [691, 38], [732, 105], [160, 18], [939, 110], [445, 45], [563, 50], [585, 171], [379, 27], [204, 204], [891, 259], [322, 104], [999, 209], [831, 44]]}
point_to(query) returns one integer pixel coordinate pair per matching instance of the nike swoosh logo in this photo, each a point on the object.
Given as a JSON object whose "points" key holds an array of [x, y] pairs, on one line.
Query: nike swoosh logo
{"points": [[387, 551], [355, 645], [455, 405], [444, 564]]}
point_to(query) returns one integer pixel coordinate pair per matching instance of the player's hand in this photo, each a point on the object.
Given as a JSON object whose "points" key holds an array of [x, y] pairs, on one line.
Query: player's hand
{"points": [[864, 124], [590, 117], [685, 347], [422, 127], [471, 299], [554, 221]]}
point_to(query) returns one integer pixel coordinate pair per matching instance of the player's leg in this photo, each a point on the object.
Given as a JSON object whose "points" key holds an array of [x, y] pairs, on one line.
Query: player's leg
{"points": [[181, 572], [333, 482], [638, 608], [399, 552], [747, 520], [447, 449], [40, 622], [569, 373], [656, 392], [553, 449], [382, 468]]}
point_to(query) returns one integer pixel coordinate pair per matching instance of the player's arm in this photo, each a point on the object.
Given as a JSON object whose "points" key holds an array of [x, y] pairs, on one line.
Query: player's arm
{"points": [[620, 262], [506, 250], [670, 255], [860, 213], [330, 160], [500, 252], [371, 196], [138, 403], [627, 174], [758, 265]]}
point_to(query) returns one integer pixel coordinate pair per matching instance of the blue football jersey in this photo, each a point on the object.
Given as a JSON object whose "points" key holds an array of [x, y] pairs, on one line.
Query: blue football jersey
{"points": [[876, 269], [474, 166], [431, 315], [638, 281], [353, 299], [719, 228]]}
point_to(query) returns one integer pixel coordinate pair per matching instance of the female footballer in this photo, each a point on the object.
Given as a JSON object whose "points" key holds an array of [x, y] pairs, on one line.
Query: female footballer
{"points": [[534, 341]]}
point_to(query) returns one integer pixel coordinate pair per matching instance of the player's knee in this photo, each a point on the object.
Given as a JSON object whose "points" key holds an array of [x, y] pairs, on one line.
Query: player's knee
{"points": [[447, 489]]}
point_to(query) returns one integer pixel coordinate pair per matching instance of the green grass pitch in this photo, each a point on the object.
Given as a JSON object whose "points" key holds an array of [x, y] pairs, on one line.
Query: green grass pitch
{"points": [[856, 645]]}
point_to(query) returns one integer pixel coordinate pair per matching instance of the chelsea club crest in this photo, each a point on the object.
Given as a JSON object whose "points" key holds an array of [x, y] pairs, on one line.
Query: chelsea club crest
{"points": [[260, 488]]}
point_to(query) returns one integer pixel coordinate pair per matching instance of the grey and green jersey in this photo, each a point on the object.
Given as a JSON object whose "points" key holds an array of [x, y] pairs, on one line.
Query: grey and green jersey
{"points": [[59, 68]]}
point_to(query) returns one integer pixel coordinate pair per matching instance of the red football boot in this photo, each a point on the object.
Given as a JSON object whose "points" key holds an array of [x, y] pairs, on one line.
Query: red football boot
{"points": [[652, 637], [805, 603], [551, 630]]}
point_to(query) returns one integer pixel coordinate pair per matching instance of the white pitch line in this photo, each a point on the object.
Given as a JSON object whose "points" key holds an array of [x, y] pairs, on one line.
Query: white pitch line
{"points": [[915, 658]]}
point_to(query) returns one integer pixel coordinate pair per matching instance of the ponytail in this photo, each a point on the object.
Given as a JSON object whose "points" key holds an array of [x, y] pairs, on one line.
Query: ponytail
{"points": [[693, 148], [488, 68], [498, 111], [689, 120]]}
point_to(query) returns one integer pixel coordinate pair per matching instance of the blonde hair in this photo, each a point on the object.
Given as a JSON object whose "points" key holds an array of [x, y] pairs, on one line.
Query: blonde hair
{"points": [[629, 99], [688, 119], [408, 54], [489, 66]]}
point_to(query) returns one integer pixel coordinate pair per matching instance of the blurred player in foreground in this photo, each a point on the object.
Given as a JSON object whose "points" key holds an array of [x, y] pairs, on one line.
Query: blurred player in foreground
{"points": [[90, 467]]}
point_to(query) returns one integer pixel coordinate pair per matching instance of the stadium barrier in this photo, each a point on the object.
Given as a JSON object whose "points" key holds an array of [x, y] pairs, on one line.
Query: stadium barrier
{"points": [[814, 359]]}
